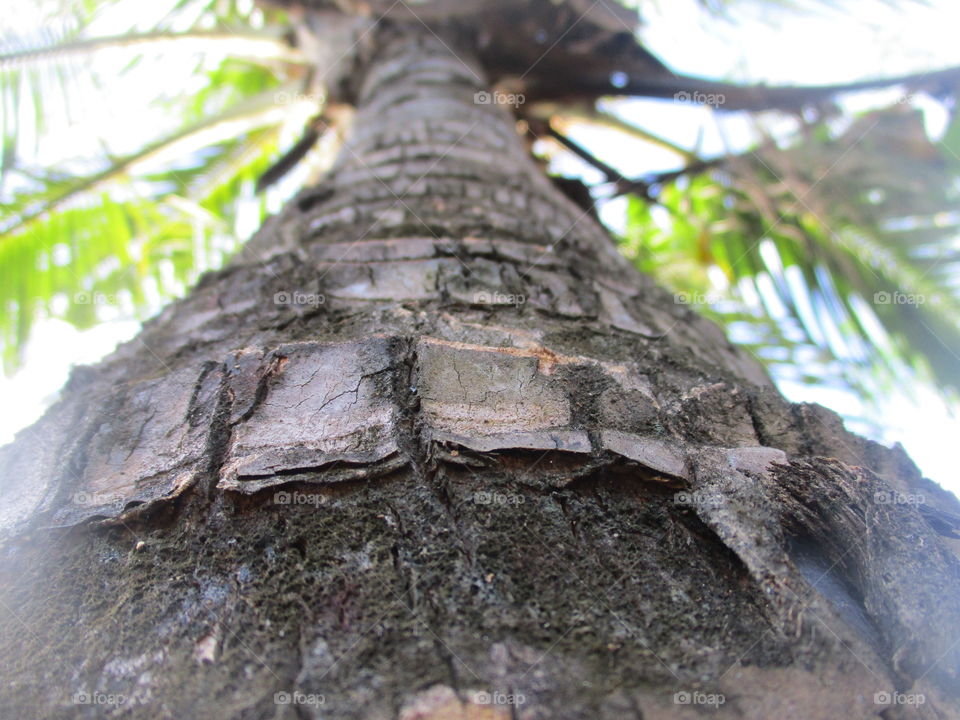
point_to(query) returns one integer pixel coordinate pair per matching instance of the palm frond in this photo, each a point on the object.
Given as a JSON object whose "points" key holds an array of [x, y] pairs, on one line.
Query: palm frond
{"points": [[266, 44], [119, 233], [56, 192], [102, 256], [849, 240]]}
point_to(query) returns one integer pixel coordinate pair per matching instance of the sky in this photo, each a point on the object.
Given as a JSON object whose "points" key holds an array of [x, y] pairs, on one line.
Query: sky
{"points": [[866, 40]]}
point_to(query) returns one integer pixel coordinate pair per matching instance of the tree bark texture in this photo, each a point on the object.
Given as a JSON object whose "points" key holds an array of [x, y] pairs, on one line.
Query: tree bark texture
{"points": [[431, 448]]}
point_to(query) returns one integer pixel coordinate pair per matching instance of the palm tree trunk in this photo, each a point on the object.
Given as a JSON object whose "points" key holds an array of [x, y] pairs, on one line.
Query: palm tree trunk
{"points": [[431, 448]]}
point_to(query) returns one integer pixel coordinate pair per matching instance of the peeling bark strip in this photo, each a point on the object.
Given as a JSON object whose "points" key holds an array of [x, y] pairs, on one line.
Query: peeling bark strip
{"points": [[430, 448]]}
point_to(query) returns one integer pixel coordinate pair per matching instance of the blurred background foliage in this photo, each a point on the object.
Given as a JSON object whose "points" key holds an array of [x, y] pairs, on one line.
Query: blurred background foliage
{"points": [[854, 281], [91, 229], [828, 248]]}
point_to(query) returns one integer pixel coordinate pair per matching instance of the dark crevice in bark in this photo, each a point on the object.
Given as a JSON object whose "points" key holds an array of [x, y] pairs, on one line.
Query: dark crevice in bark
{"points": [[828, 576], [218, 440]]}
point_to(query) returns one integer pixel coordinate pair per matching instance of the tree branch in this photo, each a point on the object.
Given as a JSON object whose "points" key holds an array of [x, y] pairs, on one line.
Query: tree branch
{"points": [[732, 97], [313, 131], [640, 186]]}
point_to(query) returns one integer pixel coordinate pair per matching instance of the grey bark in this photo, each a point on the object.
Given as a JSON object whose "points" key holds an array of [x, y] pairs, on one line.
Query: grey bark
{"points": [[430, 436]]}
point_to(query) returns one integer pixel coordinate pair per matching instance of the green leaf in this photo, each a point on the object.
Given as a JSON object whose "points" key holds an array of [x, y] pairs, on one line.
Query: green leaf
{"points": [[845, 232]]}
